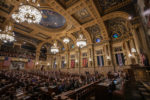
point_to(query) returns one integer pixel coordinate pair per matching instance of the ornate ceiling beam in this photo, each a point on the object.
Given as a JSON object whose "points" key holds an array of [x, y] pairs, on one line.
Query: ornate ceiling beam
{"points": [[28, 34], [8, 16], [116, 14], [90, 4], [91, 23], [74, 8]]}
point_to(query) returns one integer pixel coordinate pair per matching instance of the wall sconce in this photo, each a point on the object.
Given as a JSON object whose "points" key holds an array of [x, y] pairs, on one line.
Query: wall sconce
{"points": [[108, 57], [65, 62], [133, 50], [90, 59], [76, 60], [130, 17], [37, 63], [48, 64]]}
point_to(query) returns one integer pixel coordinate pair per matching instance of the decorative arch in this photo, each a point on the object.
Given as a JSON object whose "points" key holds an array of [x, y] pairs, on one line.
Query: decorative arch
{"points": [[115, 14]]}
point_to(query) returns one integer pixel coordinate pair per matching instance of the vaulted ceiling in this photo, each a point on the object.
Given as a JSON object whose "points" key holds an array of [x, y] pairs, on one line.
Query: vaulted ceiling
{"points": [[60, 17]]}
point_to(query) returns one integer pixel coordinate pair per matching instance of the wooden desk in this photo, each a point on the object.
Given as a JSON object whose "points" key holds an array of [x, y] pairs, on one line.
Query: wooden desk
{"points": [[147, 86]]}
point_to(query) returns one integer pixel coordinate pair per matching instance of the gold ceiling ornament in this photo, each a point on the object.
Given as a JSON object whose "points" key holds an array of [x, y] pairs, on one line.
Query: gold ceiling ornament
{"points": [[54, 48], [7, 35], [28, 12]]}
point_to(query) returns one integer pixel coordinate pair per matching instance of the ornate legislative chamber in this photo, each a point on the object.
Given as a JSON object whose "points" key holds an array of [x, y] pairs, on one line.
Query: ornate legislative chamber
{"points": [[74, 49], [115, 32]]}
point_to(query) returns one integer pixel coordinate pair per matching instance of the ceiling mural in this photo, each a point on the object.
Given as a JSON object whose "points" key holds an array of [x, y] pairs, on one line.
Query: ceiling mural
{"points": [[52, 19], [95, 33], [117, 27], [82, 16], [5, 7], [67, 3]]}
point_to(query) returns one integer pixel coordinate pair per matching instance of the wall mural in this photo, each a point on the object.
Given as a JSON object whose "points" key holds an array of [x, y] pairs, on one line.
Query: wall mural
{"points": [[52, 19]]}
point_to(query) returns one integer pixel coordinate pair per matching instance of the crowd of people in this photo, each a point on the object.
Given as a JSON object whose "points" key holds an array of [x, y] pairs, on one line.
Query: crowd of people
{"points": [[40, 85], [16, 52]]}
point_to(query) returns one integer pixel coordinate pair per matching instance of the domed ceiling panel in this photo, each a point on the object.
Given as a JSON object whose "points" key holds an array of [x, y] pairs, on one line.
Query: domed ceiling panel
{"points": [[52, 19], [82, 16]]}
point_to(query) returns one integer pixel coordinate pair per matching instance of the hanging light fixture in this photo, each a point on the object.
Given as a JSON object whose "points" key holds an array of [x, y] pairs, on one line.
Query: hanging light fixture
{"points": [[81, 42], [7, 35], [28, 12], [66, 40], [54, 48]]}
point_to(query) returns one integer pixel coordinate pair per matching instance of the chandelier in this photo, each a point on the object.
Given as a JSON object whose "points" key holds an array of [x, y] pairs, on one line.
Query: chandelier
{"points": [[54, 48], [66, 40], [81, 42], [7, 35], [28, 12]]}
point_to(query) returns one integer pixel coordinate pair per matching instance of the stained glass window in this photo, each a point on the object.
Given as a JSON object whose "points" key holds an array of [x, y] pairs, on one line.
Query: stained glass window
{"points": [[63, 48], [98, 40], [115, 35], [72, 46]]}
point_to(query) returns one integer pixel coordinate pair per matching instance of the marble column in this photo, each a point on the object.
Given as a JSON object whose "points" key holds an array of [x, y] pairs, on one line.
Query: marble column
{"points": [[90, 60], [48, 60], [134, 53], [37, 59], [93, 57], [76, 58], [136, 40], [110, 52], [128, 53]]}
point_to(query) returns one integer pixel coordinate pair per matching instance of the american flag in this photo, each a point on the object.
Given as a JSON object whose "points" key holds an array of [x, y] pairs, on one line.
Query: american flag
{"points": [[30, 63], [7, 61]]}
